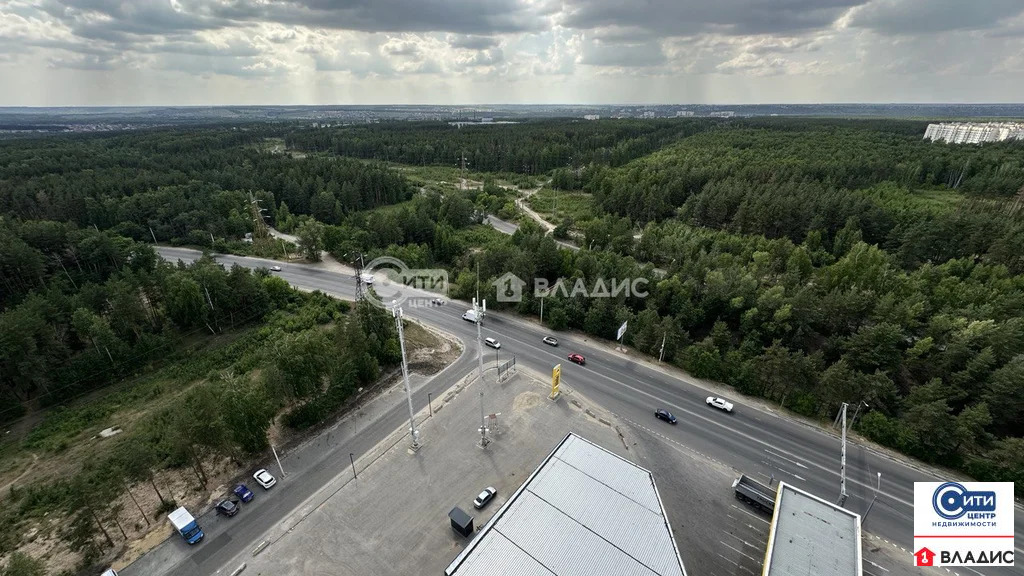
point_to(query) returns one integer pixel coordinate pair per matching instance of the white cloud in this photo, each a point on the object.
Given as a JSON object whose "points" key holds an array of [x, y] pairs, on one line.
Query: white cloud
{"points": [[195, 51]]}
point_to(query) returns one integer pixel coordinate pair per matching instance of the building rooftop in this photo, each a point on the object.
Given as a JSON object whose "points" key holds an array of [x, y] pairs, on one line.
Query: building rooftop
{"points": [[583, 511], [812, 537]]}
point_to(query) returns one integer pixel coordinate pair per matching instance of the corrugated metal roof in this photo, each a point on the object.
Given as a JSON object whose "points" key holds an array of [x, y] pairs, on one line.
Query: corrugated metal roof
{"points": [[584, 511], [812, 537]]}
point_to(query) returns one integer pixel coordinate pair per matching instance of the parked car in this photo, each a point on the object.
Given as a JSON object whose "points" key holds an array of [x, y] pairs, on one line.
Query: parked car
{"points": [[492, 343], [275, 268], [485, 497], [366, 278], [264, 478], [577, 358], [550, 341], [720, 403], [662, 414], [227, 508], [243, 493]]}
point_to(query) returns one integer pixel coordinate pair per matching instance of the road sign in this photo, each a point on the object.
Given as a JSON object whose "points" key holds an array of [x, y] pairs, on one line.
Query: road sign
{"points": [[622, 330], [556, 378]]}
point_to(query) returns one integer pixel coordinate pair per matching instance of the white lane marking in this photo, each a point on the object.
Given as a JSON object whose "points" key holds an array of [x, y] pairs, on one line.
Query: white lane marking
{"points": [[737, 564], [745, 542], [770, 465], [784, 458], [749, 513], [740, 552], [869, 573], [879, 566]]}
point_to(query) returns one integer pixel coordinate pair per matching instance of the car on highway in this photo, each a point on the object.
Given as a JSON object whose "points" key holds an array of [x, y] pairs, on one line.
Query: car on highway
{"points": [[437, 302], [469, 316], [264, 478], [485, 497], [243, 492], [551, 341], [275, 268], [577, 358], [227, 508], [366, 278], [720, 403], [662, 414], [491, 342]]}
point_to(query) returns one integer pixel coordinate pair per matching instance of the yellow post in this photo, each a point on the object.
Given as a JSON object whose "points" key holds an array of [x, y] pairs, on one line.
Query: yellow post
{"points": [[556, 378]]}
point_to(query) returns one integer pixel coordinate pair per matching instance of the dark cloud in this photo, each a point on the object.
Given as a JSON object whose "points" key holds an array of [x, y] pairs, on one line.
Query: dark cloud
{"points": [[897, 17], [470, 42], [624, 55], [687, 17], [462, 16]]}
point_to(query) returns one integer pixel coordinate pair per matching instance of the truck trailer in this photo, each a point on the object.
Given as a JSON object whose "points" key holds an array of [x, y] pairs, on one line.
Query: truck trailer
{"points": [[185, 525], [754, 493]]}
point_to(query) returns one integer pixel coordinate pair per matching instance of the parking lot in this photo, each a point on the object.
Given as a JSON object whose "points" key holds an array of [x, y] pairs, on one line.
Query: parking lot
{"points": [[392, 518]]}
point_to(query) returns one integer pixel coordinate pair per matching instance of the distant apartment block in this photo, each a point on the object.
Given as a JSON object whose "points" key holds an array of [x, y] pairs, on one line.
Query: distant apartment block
{"points": [[684, 113], [974, 133], [592, 117], [722, 114]]}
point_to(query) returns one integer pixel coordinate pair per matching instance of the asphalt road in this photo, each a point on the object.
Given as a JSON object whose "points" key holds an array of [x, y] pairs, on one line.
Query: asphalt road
{"points": [[752, 440]]}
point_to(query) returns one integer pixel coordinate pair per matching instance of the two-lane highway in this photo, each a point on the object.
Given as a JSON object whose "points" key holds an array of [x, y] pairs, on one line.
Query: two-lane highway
{"points": [[752, 440]]}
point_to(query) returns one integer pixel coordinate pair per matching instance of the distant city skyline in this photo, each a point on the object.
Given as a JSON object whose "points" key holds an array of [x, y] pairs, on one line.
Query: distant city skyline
{"points": [[476, 52]]}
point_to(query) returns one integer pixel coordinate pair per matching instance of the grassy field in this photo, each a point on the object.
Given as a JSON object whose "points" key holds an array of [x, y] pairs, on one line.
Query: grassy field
{"points": [[578, 205]]}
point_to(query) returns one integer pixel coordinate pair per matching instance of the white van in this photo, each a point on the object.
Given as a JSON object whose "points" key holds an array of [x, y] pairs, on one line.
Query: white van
{"points": [[109, 572]]}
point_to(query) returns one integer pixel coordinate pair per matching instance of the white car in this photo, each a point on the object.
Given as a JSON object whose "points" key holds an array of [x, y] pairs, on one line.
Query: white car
{"points": [[551, 341], [367, 278], [492, 343], [485, 497], [275, 268], [721, 404], [264, 478]]}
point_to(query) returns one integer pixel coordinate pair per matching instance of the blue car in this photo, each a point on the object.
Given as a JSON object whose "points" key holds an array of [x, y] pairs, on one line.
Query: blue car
{"points": [[243, 493]]}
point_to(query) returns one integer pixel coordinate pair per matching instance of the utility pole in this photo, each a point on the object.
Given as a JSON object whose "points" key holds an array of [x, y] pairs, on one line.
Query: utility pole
{"points": [[878, 487], [661, 355], [857, 411], [842, 461], [477, 311], [272, 449], [397, 311]]}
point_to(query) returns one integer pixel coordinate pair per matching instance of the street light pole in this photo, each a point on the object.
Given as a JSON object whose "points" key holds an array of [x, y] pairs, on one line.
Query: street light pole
{"points": [[480, 361], [878, 487], [397, 311], [857, 411]]}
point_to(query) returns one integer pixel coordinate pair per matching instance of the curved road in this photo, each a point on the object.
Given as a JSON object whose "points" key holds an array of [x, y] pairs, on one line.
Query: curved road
{"points": [[753, 440]]}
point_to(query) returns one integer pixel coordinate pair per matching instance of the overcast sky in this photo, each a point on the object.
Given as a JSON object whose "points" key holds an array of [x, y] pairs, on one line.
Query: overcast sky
{"points": [[201, 52]]}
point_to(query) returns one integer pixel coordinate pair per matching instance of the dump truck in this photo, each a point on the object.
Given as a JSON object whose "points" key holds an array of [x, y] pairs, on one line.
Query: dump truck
{"points": [[754, 493], [186, 525]]}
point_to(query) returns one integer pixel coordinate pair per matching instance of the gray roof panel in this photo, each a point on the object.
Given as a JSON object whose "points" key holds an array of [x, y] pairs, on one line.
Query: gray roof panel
{"points": [[812, 537], [584, 511]]}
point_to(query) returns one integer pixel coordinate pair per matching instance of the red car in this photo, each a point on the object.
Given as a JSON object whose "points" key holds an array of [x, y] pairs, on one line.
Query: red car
{"points": [[577, 358]]}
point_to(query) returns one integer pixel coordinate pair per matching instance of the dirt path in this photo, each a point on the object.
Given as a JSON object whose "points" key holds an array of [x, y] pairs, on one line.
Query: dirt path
{"points": [[5, 488]]}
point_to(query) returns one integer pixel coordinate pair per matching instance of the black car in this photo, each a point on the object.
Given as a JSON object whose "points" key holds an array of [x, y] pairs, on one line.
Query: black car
{"points": [[227, 507], [665, 415]]}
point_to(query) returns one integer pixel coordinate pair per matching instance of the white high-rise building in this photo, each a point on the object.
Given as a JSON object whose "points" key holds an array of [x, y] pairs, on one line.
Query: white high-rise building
{"points": [[974, 133]]}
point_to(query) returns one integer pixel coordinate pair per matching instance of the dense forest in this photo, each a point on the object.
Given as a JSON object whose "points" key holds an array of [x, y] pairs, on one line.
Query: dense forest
{"points": [[534, 147], [810, 262]]}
